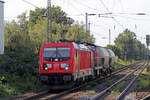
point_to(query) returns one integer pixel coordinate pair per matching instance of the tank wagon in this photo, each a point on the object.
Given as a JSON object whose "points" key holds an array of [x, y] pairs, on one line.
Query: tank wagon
{"points": [[63, 65]]}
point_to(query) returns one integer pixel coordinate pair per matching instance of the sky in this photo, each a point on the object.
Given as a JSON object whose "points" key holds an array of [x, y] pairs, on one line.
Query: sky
{"points": [[124, 15]]}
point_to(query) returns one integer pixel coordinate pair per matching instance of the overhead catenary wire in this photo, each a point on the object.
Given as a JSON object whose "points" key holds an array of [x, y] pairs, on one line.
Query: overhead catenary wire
{"points": [[76, 7], [104, 6], [30, 3], [113, 14], [113, 5], [26, 16], [101, 1], [137, 14], [122, 8], [86, 5], [126, 17]]}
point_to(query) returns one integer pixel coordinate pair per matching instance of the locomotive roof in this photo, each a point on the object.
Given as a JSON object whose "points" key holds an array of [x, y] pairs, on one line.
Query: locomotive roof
{"points": [[80, 46], [76, 45]]}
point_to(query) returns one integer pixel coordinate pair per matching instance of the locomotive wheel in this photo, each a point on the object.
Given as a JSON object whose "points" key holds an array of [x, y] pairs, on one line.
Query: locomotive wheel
{"points": [[109, 71], [104, 73]]}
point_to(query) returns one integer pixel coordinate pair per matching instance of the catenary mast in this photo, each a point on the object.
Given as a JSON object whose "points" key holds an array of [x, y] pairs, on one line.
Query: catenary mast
{"points": [[1, 27]]}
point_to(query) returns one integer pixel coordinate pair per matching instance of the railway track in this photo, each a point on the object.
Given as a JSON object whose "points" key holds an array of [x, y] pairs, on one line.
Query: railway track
{"points": [[100, 96], [146, 98], [47, 95]]}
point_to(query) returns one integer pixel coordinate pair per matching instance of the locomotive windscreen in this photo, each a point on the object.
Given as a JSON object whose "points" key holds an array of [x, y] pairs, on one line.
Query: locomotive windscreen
{"points": [[50, 52], [61, 53]]}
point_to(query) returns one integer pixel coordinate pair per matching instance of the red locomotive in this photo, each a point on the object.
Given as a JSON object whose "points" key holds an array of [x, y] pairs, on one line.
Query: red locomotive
{"points": [[62, 65]]}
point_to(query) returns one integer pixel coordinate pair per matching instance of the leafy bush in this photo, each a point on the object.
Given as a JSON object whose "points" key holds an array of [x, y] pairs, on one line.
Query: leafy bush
{"points": [[13, 84], [119, 62], [143, 82], [19, 73]]}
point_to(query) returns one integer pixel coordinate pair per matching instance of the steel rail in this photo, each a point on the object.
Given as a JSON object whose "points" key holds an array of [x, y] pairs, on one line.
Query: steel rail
{"points": [[146, 97], [110, 87], [122, 94], [39, 95], [36, 95], [82, 86]]}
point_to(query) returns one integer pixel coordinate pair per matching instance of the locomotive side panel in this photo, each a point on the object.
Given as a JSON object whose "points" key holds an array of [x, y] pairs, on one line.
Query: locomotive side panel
{"points": [[85, 69], [76, 61], [85, 59]]}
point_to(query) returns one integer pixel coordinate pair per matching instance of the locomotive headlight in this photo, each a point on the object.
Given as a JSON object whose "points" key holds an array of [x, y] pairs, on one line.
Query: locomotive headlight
{"points": [[67, 67], [45, 67]]}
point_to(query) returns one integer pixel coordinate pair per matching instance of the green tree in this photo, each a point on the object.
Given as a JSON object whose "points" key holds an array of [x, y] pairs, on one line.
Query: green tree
{"points": [[77, 33], [56, 14], [39, 35], [126, 41], [17, 34], [130, 47], [35, 15], [13, 36]]}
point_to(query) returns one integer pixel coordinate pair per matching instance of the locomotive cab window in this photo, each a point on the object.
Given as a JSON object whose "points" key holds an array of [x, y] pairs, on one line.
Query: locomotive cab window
{"points": [[63, 52], [59, 53], [49, 52]]}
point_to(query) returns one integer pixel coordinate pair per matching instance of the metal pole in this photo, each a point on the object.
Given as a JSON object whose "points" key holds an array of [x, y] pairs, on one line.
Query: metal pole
{"points": [[1, 27], [109, 37], [50, 22], [147, 53], [47, 21], [86, 21], [89, 26]]}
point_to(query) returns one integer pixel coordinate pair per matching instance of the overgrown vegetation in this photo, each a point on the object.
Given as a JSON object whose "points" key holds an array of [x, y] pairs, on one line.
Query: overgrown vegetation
{"points": [[18, 73], [143, 82], [119, 62], [14, 84]]}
